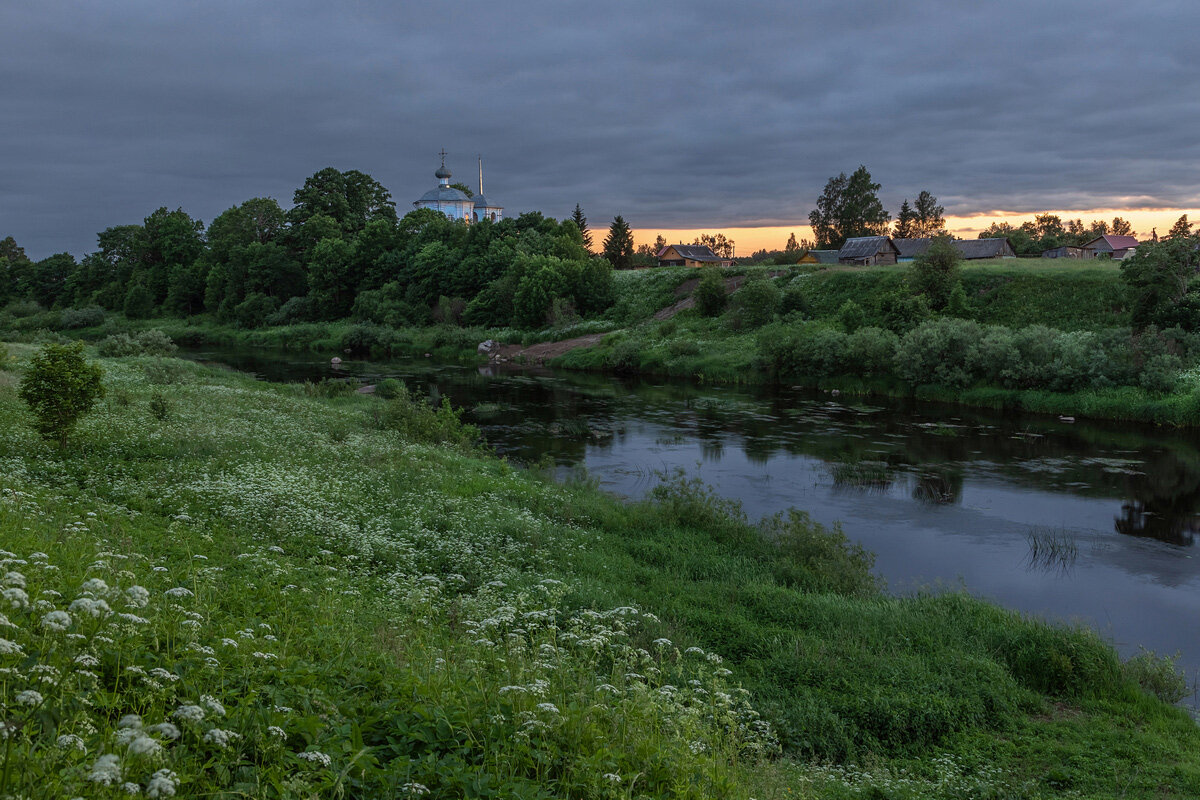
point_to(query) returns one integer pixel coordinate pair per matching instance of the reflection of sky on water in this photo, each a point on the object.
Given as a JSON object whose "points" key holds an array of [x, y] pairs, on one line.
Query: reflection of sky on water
{"points": [[954, 498]]}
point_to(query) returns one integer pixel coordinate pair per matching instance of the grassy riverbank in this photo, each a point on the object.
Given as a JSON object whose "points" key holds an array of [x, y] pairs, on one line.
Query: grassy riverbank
{"points": [[335, 601]]}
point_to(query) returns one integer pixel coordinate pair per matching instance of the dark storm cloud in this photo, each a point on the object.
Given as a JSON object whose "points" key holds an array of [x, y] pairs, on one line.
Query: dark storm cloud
{"points": [[673, 114]]}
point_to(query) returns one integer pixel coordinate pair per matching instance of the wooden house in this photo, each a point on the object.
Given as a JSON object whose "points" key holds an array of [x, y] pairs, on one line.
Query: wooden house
{"points": [[974, 249], [908, 249], [691, 255], [1117, 247], [868, 250], [1066, 251], [808, 257], [824, 256]]}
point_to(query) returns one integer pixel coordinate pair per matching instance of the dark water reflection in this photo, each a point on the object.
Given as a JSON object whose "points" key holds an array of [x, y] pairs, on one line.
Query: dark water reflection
{"points": [[943, 496]]}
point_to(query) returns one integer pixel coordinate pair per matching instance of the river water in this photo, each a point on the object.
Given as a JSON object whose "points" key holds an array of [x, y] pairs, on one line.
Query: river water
{"points": [[1087, 522]]}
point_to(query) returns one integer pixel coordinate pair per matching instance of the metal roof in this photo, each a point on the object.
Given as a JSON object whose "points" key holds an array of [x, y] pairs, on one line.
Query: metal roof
{"points": [[825, 256], [911, 248], [482, 202], [694, 252], [864, 246], [1115, 242], [981, 248], [444, 194]]}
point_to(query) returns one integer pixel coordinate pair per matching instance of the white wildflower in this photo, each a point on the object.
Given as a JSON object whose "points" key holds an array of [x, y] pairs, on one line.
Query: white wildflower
{"points": [[137, 597], [106, 770], [612, 777], [162, 784], [15, 598], [87, 660], [94, 585], [275, 730], [14, 579], [414, 789], [212, 704], [189, 713], [56, 621], [8, 648], [316, 757], [133, 619], [549, 708], [220, 738], [165, 730], [179, 591], [130, 721], [69, 741], [129, 787], [29, 698], [4, 623], [89, 606], [230, 643], [144, 746]]}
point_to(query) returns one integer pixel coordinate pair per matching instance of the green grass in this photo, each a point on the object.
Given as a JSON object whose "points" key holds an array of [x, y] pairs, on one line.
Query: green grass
{"points": [[429, 615]]}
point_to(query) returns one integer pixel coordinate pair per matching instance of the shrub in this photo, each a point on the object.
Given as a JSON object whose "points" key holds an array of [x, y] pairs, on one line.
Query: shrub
{"points": [[851, 316], [940, 352], [4, 356], [118, 345], [1157, 675], [160, 408], [901, 311], [957, 305], [59, 387], [1160, 373], [871, 351], [683, 347], [793, 302], [297, 309], [154, 342], [709, 293], [935, 272], [22, 308], [418, 421], [817, 558], [757, 302], [254, 310], [82, 317], [388, 388], [166, 371], [367, 338]]}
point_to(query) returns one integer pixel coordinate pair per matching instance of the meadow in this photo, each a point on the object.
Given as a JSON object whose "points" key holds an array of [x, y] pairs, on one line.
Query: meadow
{"points": [[234, 589]]}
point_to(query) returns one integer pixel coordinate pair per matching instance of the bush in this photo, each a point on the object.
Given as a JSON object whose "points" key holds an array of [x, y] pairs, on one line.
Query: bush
{"points": [[388, 388], [871, 351], [254, 311], [709, 293], [151, 342], [118, 345], [160, 407], [139, 303], [297, 309], [22, 308], [418, 421], [368, 338], [154, 342], [1157, 675], [166, 371], [82, 317], [794, 302], [939, 351], [958, 306], [935, 272], [757, 302], [59, 387], [851, 316]]}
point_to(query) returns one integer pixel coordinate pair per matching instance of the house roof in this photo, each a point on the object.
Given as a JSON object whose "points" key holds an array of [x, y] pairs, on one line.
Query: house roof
{"points": [[444, 194], [1115, 242], [693, 252], [911, 248], [864, 246], [981, 248], [825, 256]]}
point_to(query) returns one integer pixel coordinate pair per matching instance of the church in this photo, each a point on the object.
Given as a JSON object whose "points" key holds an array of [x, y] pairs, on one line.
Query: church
{"points": [[455, 203]]}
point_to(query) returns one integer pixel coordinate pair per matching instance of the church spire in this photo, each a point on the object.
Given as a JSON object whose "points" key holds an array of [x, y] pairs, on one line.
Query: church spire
{"points": [[481, 176]]}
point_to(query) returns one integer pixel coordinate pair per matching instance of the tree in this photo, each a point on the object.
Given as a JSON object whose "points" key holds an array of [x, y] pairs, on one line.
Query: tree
{"points": [[581, 223], [905, 221], [936, 272], [847, 208], [930, 219], [1181, 229], [1121, 227], [351, 199], [1160, 273], [710, 292], [717, 243], [618, 245], [59, 387], [462, 187], [791, 245]]}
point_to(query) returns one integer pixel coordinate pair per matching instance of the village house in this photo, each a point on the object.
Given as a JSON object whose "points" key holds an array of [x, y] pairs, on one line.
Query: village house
{"points": [[1117, 247], [868, 250], [1066, 251], [909, 249], [691, 255], [824, 256], [973, 249]]}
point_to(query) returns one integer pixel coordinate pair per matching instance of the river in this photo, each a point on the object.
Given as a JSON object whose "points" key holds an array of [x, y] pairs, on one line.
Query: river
{"points": [[1081, 521]]}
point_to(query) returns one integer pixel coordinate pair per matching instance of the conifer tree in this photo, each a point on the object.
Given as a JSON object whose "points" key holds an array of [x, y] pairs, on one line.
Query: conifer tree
{"points": [[1181, 229], [581, 223], [905, 221], [618, 246]]}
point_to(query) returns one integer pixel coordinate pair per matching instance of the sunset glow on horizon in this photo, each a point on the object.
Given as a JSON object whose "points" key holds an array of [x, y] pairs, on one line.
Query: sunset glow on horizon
{"points": [[773, 237]]}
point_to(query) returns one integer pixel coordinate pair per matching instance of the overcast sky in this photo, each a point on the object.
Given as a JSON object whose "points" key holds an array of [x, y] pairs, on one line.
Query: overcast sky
{"points": [[674, 114]]}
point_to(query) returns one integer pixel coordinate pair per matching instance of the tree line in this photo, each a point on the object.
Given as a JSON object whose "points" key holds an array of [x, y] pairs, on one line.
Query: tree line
{"points": [[340, 251]]}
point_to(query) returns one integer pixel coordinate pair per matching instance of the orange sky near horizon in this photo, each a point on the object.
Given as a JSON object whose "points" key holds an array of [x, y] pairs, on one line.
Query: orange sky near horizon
{"points": [[750, 239]]}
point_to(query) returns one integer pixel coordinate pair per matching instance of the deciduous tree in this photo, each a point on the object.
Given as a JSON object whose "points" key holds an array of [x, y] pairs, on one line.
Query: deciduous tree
{"points": [[930, 217], [847, 208], [59, 387]]}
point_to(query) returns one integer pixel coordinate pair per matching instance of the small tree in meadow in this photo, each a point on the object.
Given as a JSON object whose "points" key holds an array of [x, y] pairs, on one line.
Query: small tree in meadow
{"points": [[935, 273], [710, 292], [59, 387]]}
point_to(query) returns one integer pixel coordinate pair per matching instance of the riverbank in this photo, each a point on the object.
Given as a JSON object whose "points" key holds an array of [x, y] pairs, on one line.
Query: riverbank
{"points": [[387, 565]]}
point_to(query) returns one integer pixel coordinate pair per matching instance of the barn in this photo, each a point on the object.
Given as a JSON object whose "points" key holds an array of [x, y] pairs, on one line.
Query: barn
{"points": [[691, 255], [974, 249], [908, 249], [1066, 251], [868, 250], [1117, 247]]}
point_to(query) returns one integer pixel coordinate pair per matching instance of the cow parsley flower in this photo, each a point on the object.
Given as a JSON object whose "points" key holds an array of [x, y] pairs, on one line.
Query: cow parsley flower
{"points": [[316, 757], [212, 704], [162, 784], [189, 713], [29, 698], [69, 741], [15, 598], [165, 730], [275, 730], [14, 579], [106, 770], [8, 648], [144, 746], [94, 585], [129, 787], [137, 597], [90, 606], [56, 620], [130, 721], [414, 789], [221, 738], [179, 591]]}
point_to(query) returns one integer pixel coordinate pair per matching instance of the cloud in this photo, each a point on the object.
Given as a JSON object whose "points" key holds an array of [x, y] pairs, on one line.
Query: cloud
{"points": [[674, 114]]}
